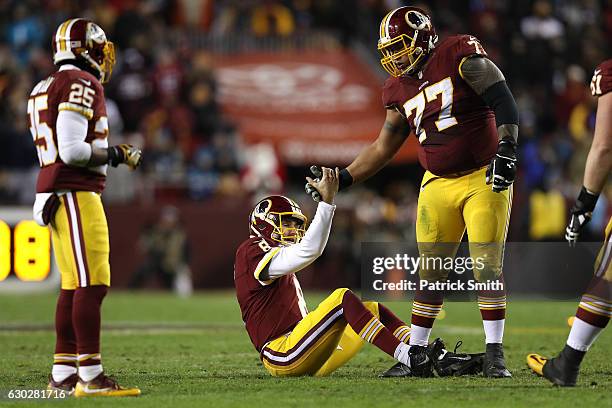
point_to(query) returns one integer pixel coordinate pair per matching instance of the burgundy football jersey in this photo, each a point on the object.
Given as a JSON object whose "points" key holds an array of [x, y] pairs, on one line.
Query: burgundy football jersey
{"points": [[269, 309], [75, 90], [455, 127], [602, 79]]}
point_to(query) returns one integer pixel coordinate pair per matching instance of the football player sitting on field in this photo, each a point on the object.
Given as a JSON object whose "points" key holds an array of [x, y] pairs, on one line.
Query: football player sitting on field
{"points": [[293, 342]]}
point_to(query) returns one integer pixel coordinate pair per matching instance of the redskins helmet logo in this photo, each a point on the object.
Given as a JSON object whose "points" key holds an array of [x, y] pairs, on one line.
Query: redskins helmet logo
{"points": [[260, 212], [417, 20], [95, 34], [263, 207]]}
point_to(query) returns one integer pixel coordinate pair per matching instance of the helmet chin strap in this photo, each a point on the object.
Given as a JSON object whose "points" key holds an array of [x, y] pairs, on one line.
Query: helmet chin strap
{"points": [[93, 63]]}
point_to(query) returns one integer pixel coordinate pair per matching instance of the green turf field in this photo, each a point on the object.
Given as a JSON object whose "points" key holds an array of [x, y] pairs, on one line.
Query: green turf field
{"points": [[195, 352]]}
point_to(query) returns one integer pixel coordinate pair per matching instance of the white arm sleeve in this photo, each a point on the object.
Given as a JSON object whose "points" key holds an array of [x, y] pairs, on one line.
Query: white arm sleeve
{"points": [[71, 132], [293, 258]]}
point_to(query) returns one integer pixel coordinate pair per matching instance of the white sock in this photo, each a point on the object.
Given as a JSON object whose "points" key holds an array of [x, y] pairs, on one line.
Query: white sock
{"points": [[60, 372], [401, 353], [494, 330], [582, 335], [88, 373], [419, 336]]}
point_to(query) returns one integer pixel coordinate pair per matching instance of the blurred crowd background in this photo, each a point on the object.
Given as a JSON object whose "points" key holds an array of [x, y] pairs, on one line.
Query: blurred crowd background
{"points": [[163, 97]]}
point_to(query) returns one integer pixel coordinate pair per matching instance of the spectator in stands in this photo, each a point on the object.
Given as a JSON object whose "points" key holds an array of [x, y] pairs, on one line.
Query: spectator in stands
{"points": [[573, 93], [166, 254], [24, 32], [202, 178], [132, 88], [202, 99], [542, 24], [168, 77], [547, 215], [262, 173], [544, 33], [272, 18]]}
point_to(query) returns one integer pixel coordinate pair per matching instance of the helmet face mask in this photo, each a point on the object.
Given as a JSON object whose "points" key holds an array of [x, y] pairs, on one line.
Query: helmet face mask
{"points": [[288, 235], [407, 36], [395, 50], [279, 220], [109, 61], [104, 50]]}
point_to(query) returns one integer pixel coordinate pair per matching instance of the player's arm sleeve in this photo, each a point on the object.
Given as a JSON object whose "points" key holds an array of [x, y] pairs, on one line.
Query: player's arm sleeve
{"points": [[293, 258], [71, 133], [485, 78]]}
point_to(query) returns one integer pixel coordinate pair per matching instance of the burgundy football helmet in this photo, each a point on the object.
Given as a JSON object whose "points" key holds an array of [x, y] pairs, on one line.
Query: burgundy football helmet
{"points": [[405, 31], [78, 38], [266, 221]]}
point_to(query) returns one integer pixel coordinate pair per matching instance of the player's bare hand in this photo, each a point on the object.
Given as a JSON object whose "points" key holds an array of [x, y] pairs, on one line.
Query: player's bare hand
{"points": [[326, 186]]}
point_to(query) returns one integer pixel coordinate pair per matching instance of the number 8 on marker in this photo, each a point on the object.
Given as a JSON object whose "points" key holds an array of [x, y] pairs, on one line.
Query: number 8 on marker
{"points": [[32, 259], [5, 250]]}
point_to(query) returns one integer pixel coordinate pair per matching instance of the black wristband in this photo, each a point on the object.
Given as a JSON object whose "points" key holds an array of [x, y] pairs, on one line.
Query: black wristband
{"points": [[345, 179], [115, 156], [587, 200]]}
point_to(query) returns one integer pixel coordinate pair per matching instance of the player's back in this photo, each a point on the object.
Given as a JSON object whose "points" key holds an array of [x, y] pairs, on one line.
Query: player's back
{"points": [[455, 127], [75, 90], [269, 308]]}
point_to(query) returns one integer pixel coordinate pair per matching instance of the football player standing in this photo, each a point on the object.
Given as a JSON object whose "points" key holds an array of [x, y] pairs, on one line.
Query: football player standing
{"points": [[595, 307], [67, 116], [290, 340], [457, 103]]}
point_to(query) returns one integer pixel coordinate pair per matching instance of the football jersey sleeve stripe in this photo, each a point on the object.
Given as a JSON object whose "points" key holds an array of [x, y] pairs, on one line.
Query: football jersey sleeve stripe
{"points": [[263, 263], [87, 112], [461, 64]]}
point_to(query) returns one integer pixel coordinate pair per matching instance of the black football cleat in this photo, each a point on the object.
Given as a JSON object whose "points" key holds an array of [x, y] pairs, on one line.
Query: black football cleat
{"points": [[420, 365], [448, 363], [558, 370], [494, 365], [399, 370]]}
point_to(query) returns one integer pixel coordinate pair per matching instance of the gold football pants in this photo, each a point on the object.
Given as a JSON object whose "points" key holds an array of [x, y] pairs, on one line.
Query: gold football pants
{"points": [[603, 266], [450, 205], [320, 343], [80, 240]]}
